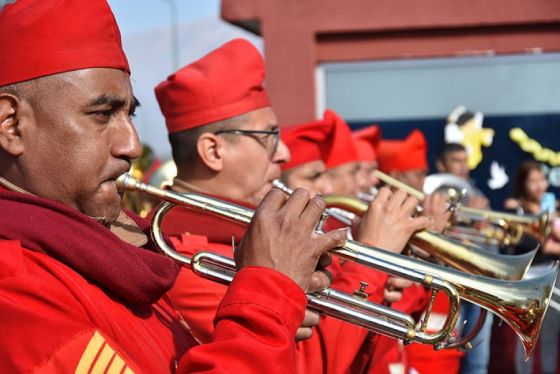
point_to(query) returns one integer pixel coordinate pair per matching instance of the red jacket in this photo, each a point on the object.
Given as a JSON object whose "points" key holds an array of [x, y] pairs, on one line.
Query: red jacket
{"points": [[335, 347], [390, 356], [53, 319], [424, 358]]}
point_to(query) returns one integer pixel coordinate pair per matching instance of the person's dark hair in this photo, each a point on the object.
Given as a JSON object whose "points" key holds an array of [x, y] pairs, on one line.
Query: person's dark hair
{"points": [[183, 143], [526, 167], [464, 118], [448, 148]]}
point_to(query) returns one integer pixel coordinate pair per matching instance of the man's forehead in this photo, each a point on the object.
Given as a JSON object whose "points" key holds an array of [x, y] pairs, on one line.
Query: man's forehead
{"points": [[96, 83], [458, 155], [260, 119]]}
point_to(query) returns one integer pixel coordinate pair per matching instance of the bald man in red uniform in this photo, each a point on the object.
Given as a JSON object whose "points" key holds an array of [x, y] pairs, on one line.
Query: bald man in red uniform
{"points": [[223, 132], [81, 286]]}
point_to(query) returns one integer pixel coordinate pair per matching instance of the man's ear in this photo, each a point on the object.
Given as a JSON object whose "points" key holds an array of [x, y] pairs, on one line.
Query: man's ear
{"points": [[211, 148], [10, 135]]}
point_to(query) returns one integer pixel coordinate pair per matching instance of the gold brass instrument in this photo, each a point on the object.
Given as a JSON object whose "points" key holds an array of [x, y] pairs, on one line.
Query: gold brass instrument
{"points": [[355, 309], [507, 270], [507, 228], [459, 256], [513, 225], [455, 254], [521, 304]]}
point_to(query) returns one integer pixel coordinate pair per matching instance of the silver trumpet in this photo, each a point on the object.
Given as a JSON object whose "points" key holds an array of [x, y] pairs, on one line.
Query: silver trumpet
{"points": [[521, 304]]}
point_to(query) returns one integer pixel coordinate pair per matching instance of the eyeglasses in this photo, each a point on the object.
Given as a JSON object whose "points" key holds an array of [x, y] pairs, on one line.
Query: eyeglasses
{"points": [[271, 147]]}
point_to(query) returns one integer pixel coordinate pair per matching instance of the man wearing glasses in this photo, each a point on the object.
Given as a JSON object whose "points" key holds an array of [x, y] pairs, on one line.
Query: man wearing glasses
{"points": [[225, 142], [221, 126]]}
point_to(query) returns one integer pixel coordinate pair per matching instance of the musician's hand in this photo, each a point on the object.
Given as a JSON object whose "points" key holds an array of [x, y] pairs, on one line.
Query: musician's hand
{"points": [[435, 207], [321, 279], [394, 289], [282, 236], [388, 222]]}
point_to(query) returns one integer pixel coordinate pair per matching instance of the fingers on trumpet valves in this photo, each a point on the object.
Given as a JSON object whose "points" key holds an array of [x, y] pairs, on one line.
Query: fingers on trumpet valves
{"points": [[282, 236], [322, 278]]}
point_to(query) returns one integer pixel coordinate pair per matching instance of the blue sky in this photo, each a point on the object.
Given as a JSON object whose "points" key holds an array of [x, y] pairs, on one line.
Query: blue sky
{"points": [[144, 26], [139, 15]]}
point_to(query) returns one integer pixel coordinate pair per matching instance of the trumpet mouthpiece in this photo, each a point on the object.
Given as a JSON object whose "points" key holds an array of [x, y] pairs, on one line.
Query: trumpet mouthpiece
{"points": [[282, 187], [124, 182]]}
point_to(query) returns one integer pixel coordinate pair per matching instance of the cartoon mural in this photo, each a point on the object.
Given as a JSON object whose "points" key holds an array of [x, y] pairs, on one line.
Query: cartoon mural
{"points": [[465, 127]]}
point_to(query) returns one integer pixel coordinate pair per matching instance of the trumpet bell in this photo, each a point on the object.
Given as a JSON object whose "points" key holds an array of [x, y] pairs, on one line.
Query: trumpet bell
{"points": [[470, 259], [523, 309], [521, 304]]}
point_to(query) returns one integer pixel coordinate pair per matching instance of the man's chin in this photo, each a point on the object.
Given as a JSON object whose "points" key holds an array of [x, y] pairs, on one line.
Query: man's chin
{"points": [[108, 212]]}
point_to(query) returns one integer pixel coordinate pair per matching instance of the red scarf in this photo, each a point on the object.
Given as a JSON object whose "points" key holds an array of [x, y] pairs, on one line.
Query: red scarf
{"points": [[135, 275]]}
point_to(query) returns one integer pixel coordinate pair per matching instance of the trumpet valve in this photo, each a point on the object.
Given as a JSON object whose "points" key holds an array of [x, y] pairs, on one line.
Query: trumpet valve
{"points": [[361, 294]]}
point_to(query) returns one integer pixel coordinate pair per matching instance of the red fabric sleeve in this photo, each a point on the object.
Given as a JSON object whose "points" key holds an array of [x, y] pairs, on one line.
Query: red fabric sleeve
{"points": [[335, 346], [254, 327], [44, 328], [197, 299]]}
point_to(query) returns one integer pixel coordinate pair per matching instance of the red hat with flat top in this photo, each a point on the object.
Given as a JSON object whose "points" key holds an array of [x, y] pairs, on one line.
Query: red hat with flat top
{"points": [[367, 142], [306, 142], [45, 37], [340, 148], [225, 83], [403, 155]]}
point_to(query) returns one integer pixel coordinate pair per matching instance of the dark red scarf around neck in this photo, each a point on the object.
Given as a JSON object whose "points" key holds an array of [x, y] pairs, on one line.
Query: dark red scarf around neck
{"points": [[135, 275]]}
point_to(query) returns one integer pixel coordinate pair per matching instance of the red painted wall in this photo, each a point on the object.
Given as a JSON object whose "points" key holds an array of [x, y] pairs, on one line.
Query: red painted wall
{"points": [[298, 34]]}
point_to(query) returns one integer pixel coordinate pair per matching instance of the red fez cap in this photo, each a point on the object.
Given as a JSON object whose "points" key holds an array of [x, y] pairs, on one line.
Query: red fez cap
{"points": [[367, 142], [44, 37], [225, 83], [306, 142], [403, 155], [341, 148]]}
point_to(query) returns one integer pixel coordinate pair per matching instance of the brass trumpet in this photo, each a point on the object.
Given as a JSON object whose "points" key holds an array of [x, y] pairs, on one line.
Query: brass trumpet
{"points": [[521, 304], [508, 228], [469, 259], [512, 226]]}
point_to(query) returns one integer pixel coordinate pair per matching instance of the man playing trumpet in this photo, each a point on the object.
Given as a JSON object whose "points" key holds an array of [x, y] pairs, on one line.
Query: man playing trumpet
{"points": [[81, 287], [225, 142]]}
